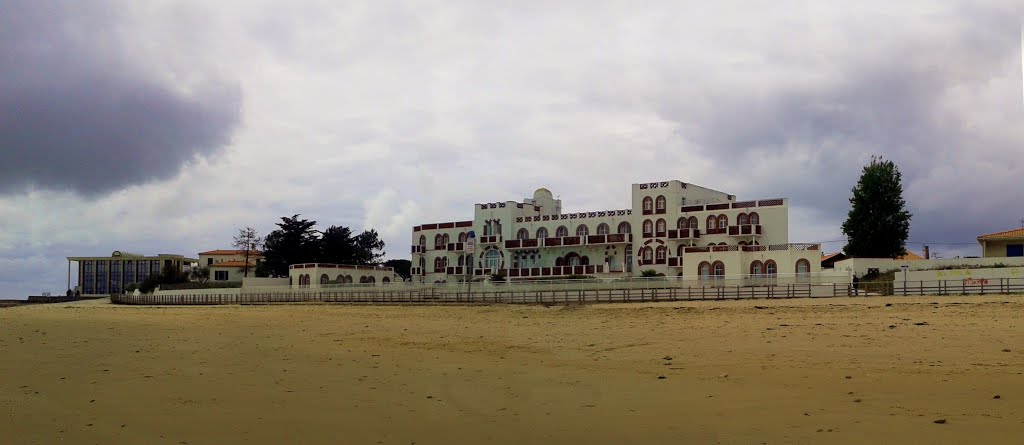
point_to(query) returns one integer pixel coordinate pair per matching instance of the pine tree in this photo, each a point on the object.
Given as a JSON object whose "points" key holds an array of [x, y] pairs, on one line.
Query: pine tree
{"points": [[878, 223]]}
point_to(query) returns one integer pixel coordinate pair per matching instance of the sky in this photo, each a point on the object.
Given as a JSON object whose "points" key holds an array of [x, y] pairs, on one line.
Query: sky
{"points": [[165, 126]]}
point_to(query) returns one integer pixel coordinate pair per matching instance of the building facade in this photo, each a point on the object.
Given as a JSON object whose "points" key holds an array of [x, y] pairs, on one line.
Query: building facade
{"points": [[671, 227], [109, 275], [230, 265], [1008, 243], [325, 275]]}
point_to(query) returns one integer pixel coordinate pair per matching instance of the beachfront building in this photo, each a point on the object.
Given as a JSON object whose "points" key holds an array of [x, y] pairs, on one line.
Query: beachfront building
{"points": [[1008, 243], [671, 227], [105, 275], [230, 265], [326, 275]]}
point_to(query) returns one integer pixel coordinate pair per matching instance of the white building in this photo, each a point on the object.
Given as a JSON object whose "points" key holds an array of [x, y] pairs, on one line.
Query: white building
{"points": [[672, 227], [105, 275], [230, 265], [321, 275]]}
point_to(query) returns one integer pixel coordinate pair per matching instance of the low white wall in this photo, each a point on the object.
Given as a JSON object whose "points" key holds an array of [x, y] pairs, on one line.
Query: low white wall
{"points": [[250, 282], [964, 274], [860, 266]]}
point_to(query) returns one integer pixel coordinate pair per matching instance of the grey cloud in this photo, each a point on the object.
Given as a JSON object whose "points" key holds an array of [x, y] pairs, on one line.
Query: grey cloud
{"points": [[83, 114], [919, 101]]}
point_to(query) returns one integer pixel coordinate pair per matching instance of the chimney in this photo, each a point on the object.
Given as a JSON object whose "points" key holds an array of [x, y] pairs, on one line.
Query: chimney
{"points": [[926, 256]]}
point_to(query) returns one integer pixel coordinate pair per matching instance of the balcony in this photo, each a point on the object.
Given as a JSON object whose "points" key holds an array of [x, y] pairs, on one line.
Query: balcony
{"points": [[684, 234], [746, 229], [490, 239], [419, 249], [457, 270], [675, 261], [571, 240], [716, 231], [611, 238], [456, 247], [417, 271], [530, 243], [553, 271]]}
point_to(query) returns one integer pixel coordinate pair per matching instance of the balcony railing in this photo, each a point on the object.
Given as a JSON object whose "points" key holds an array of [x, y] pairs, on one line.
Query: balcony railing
{"points": [[489, 239], [753, 248], [419, 249], [746, 229], [571, 241], [456, 247], [456, 270], [674, 261], [683, 233], [552, 271], [716, 231]]}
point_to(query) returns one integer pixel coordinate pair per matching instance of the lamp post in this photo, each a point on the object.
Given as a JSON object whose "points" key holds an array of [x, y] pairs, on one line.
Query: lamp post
{"points": [[470, 249]]}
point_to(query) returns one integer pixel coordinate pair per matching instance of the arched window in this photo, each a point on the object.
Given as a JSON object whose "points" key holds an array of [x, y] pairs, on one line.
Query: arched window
{"points": [[719, 269], [661, 253], [704, 270], [437, 241], [770, 268], [648, 255], [492, 259], [721, 244], [423, 263], [340, 279], [542, 233], [723, 221], [694, 223], [363, 280], [648, 228], [572, 259], [754, 218], [584, 260], [463, 237], [661, 227], [582, 230], [712, 222], [438, 264], [682, 223], [371, 280], [680, 250], [523, 234], [624, 227], [648, 204], [445, 239], [742, 220], [660, 203], [469, 260], [385, 280], [742, 243], [756, 268], [462, 261], [561, 231], [348, 279], [423, 240], [803, 267], [324, 279], [602, 229]]}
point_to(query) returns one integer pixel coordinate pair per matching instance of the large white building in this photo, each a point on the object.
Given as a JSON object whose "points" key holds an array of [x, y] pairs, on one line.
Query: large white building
{"points": [[672, 227]]}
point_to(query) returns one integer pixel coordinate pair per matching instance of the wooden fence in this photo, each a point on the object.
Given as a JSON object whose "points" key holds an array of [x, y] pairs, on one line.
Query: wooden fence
{"points": [[583, 293]]}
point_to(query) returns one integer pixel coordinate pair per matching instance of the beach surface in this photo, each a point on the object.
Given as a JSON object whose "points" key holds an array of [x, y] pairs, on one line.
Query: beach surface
{"points": [[837, 370]]}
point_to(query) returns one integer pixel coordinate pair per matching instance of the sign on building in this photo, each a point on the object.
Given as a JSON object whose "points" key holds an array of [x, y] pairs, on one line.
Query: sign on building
{"points": [[471, 242]]}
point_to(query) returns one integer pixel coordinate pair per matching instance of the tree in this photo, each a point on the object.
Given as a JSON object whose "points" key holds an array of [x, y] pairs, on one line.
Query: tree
{"points": [[200, 274], [295, 241], [249, 241], [878, 223], [402, 267], [337, 246], [369, 248]]}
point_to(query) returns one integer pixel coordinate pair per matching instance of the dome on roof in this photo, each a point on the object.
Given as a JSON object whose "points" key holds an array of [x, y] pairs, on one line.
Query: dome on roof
{"points": [[542, 193]]}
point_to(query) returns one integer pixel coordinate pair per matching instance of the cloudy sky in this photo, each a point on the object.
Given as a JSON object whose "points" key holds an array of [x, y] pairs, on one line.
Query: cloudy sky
{"points": [[163, 126]]}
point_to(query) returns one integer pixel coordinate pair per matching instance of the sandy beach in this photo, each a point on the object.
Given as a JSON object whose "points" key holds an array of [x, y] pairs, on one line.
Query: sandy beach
{"points": [[868, 370]]}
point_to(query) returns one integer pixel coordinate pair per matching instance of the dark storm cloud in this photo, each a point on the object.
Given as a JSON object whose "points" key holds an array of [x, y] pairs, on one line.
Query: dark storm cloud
{"points": [[925, 102], [80, 112]]}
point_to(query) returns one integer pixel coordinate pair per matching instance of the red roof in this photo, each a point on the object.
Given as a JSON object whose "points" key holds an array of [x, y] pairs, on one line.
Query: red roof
{"points": [[910, 256], [231, 252], [1011, 234], [829, 256], [232, 264]]}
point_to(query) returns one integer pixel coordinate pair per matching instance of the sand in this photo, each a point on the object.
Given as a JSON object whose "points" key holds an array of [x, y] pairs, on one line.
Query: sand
{"points": [[868, 370]]}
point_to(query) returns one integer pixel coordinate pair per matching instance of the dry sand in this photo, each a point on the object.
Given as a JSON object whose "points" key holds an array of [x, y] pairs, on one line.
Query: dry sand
{"points": [[750, 372]]}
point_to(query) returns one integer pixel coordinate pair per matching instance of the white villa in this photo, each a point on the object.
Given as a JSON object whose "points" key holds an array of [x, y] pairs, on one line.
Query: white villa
{"points": [[672, 227]]}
